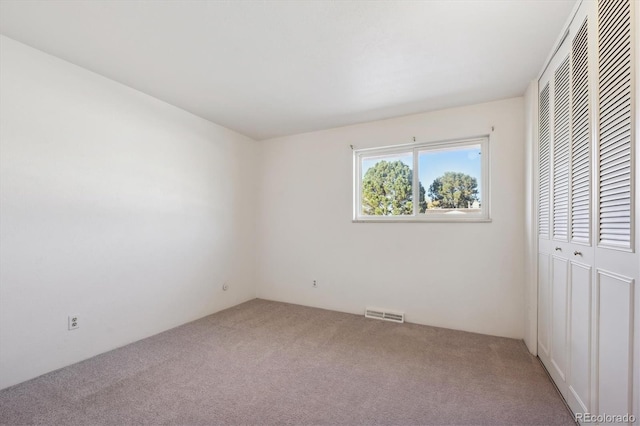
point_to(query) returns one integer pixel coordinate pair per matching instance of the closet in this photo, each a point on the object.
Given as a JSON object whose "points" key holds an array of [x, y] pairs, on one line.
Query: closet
{"points": [[587, 264]]}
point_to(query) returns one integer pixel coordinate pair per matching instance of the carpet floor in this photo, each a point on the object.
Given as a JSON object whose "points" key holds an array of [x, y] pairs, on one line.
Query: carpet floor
{"points": [[274, 363]]}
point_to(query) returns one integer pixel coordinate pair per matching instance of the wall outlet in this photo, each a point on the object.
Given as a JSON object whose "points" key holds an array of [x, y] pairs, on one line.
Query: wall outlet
{"points": [[315, 283], [73, 322]]}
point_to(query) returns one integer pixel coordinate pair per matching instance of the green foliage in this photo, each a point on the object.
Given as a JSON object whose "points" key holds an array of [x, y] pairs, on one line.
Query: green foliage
{"points": [[453, 190], [387, 190]]}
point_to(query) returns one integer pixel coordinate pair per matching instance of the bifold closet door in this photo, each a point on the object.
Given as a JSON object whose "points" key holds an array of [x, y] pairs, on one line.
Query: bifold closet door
{"points": [[566, 252], [554, 214], [580, 290], [616, 262], [587, 264]]}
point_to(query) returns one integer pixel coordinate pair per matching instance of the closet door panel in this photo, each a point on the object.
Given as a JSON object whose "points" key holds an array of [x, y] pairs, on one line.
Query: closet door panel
{"points": [[580, 336], [616, 262], [561, 151], [615, 225], [580, 138], [615, 343], [544, 164], [559, 315], [544, 301]]}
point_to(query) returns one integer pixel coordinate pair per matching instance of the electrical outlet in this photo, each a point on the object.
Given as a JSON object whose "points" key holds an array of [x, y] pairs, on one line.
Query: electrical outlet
{"points": [[73, 322], [315, 283]]}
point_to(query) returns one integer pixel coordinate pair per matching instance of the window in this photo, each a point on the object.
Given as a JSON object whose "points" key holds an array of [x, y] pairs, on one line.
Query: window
{"points": [[450, 183]]}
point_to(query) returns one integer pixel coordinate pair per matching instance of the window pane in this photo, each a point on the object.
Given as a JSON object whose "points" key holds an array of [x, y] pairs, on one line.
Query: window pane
{"points": [[387, 185], [451, 178]]}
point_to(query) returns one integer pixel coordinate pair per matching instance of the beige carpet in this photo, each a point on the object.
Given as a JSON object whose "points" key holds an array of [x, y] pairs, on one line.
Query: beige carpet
{"points": [[273, 363]]}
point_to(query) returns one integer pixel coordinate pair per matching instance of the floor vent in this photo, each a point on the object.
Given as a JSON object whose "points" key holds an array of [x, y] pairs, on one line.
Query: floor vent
{"points": [[385, 315]]}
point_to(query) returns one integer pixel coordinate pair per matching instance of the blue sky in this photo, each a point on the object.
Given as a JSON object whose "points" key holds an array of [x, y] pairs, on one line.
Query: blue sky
{"points": [[432, 164]]}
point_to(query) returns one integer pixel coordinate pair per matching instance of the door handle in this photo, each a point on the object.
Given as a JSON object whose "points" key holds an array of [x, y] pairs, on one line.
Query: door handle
{"points": [[558, 249], [577, 253]]}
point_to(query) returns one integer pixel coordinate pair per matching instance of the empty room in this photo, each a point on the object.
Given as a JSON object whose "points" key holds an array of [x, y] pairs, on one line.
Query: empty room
{"points": [[319, 212]]}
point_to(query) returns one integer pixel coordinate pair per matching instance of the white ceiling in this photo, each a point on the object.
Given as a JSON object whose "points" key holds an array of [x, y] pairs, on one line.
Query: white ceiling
{"points": [[271, 68]]}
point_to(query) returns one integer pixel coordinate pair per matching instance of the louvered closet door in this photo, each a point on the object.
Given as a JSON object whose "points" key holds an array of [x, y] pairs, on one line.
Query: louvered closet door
{"points": [[554, 162], [581, 252], [544, 221], [616, 263], [565, 273], [588, 303]]}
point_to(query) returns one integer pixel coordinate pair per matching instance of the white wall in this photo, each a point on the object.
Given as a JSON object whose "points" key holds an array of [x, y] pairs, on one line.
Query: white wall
{"points": [[131, 213], [114, 206], [467, 276]]}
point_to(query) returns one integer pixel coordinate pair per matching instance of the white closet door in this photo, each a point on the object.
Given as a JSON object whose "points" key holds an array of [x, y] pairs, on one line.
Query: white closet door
{"points": [[553, 221], [616, 262], [580, 377], [566, 279], [588, 316]]}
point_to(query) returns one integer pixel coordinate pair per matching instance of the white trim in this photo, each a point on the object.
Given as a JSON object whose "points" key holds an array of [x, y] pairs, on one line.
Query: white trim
{"points": [[415, 184], [532, 292]]}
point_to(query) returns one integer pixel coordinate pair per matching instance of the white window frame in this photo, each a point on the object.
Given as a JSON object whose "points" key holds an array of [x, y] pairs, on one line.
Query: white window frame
{"points": [[482, 216]]}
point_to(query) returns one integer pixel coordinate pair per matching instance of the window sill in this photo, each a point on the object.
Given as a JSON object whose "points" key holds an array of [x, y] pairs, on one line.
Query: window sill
{"points": [[430, 220]]}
